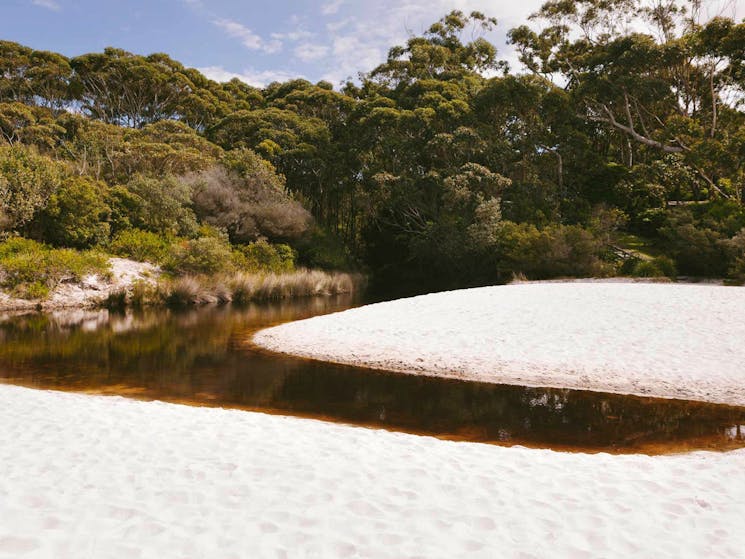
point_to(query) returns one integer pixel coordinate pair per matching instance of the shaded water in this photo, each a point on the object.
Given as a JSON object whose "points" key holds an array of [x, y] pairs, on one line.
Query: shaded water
{"points": [[204, 356]]}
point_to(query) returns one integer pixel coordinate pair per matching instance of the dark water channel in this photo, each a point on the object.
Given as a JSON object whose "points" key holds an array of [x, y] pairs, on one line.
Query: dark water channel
{"points": [[204, 357]]}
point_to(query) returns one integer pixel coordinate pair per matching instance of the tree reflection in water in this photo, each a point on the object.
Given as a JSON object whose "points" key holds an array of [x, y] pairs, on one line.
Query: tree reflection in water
{"points": [[203, 356]]}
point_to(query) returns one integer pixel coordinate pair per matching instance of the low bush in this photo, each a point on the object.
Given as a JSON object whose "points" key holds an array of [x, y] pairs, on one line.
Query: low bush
{"points": [[736, 246], [659, 267], [697, 251], [27, 180], [76, 215], [31, 270], [266, 257], [142, 246], [204, 255], [555, 251]]}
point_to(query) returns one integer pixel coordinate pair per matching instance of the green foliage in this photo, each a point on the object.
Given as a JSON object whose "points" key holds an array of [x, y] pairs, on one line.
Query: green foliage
{"points": [[32, 269], [27, 180], [263, 256], [323, 250], [705, 240], [32, 126], [725, 216], [736, 249], [658, 267], [76, 215], [142, 246], [204, 255], [161, 206], [423, 170], [555, 251], [698, 251]]}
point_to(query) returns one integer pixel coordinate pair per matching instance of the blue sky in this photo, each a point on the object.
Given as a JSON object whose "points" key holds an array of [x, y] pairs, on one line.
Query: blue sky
{"points": [[257, 41]]}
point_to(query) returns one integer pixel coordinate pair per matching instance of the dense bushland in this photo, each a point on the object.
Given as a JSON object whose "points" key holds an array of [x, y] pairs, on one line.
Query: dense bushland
{"points": [[620, 149]]}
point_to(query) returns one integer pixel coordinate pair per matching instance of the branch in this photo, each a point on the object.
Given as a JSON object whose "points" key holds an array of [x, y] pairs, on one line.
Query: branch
{"points": [[610, 119], [710, 182]]}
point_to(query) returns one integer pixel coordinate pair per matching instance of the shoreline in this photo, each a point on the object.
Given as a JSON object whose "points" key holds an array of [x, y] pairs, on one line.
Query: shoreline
{"points": [[447, 335], [213, 481], [139, 284]]}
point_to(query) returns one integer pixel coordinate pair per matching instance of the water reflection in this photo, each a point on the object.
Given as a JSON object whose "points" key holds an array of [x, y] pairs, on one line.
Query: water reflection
{"points": [[203, 356]]}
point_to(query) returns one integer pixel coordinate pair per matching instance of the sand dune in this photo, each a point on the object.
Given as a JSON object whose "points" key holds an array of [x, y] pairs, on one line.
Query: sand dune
{"points": [[678, 341], [97, 477]]}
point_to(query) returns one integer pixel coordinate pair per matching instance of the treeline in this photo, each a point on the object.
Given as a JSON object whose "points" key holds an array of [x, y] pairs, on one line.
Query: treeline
{"points": [[617, 151]]}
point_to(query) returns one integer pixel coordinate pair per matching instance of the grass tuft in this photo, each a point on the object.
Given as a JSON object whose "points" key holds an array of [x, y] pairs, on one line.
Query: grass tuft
{"points": [[32, 270]]}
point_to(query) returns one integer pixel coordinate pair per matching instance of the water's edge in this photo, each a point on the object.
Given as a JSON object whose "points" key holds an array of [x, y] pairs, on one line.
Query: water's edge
{"points": [[204, 357]]}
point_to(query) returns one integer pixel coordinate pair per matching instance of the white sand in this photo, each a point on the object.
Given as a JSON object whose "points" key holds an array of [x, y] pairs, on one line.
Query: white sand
{"points": [[679, 341], [94, 477]]}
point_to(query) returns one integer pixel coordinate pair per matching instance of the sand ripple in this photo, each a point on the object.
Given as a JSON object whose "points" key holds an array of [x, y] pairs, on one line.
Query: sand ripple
{"points": [[98, 477]]}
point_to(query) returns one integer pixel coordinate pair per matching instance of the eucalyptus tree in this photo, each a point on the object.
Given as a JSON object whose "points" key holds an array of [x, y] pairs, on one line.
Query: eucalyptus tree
{"points": [[34, 77], [119, 87], [655, 79]]}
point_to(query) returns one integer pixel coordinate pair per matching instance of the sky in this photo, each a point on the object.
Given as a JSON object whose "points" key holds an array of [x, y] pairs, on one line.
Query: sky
{"points": [[256, 41]]}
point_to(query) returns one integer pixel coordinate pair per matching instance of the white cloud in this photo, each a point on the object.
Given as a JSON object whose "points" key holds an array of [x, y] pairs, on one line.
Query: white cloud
{"points": [[48, 4], [341, 46], [246, 36], [295, 35], [351, 55], [309, 51], [330, 8], [251, 77], [362, 40]]}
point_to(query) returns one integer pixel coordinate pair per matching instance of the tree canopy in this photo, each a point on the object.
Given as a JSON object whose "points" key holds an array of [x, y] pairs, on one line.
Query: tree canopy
{"points": [[440, 167]]}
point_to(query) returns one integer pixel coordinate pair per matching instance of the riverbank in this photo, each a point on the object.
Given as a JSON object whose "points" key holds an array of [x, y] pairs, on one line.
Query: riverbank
{"points": [[664, 340], [132, 283], [108, 477], [91, 290]]}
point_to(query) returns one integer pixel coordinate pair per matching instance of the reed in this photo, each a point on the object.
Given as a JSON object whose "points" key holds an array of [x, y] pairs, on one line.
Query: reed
{"points": [[243, 287]]}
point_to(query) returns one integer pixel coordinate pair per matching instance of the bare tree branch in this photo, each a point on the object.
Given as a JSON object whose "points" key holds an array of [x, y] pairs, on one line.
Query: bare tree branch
{"points": [[611, 119]]}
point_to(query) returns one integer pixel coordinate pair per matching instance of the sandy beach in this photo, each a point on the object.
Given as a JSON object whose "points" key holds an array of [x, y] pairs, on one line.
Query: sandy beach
{"points": [[664, 340], [106, 477]]}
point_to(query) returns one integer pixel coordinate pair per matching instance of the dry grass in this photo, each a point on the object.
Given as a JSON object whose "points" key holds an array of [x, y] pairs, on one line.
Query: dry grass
{"points": [[241, 287], [300, 283]]}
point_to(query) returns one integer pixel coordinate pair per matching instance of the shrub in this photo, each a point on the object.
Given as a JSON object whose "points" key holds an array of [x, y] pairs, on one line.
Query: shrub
{"points": [[142, 246], [736, 246], [76, 215], [659, 267], [161, 206], [724, 216], [247, 198], [263, 256], [323, 250], [558, 250], [204, 255], [648, 222], [27, 180], [32, 269], [698, 251]]}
